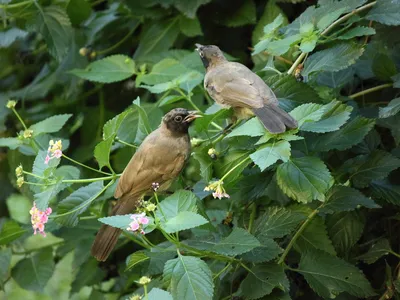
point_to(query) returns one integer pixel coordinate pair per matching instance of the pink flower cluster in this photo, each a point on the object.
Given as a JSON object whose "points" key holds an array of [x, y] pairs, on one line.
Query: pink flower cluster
{"points": [[138, 221], [54, 151], [39, 218]]}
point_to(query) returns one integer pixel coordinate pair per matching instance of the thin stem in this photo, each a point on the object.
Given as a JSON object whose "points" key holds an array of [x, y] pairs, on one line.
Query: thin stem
{"points": [[145, 292], [101, 113], [118, 43], [89, 179], [133, 239], [297, 235], [158, 205], [34, 175], [296, 63], [252, 217], [85, 166], [34, 183], [231, 170], [6, 6], [19, 118], [347, 16], [222, 271], [367, 91], [125, 143]]}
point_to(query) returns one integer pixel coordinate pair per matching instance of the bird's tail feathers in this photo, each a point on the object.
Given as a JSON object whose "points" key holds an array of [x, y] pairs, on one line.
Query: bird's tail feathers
{"points": [[107, 237], [274, 118]]}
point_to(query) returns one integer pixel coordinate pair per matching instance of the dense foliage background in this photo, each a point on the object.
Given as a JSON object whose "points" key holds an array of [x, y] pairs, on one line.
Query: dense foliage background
{"points": [[312, 213]]}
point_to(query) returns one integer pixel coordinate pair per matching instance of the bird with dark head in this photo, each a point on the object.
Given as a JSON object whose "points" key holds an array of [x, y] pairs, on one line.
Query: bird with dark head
{"points": [[232, 84], [159, 160]]}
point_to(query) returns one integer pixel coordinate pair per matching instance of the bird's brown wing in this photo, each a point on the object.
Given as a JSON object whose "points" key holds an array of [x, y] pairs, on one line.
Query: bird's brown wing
{"points": [[157, 160]]}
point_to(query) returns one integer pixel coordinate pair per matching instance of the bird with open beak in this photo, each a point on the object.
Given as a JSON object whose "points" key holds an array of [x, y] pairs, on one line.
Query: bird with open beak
{"points": [[159, 160], [232, 84]]}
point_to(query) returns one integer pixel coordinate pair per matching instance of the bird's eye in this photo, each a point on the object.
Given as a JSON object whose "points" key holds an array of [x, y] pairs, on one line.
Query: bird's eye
{"points": [[201, 54], [178, 119]]}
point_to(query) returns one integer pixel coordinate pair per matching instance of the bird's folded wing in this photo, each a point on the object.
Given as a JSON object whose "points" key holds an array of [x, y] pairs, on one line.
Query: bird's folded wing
{"points": [[151, 163]]}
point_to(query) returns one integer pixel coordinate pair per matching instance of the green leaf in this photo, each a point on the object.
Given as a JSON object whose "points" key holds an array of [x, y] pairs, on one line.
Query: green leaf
{"points": [[396, 80], [304, 179], [110, 69], [245, 14], [357, 31], [383, 67], [385, 12], [158, 260], [78, 11], [344, 198], [314, 236], [306, 113], [76, 203], [238, 242], [118, 221], [385, 190], [345, 229], [112, 126], [143, 122], [308, 43], [335, 114], [189, 9], [328, 19], [10, 231], [88, 274], [5, 262], [206, 165], [184, 220], [230, 160], [158, 37], [349, 135], [18, 207], [269, 154], [377, 250], [391, 109], [136, 258], [263, 279], [268, 250], [12, 143], [252, 127], [51, 124], [10, 36], [180, 201], [34, 272], [277, 222], [333, 59], [46, 193], [159, 294], [280, 47], [376, 165], [329, 276], [53, 24], [190, 27], [102, 152], [189, 278]]}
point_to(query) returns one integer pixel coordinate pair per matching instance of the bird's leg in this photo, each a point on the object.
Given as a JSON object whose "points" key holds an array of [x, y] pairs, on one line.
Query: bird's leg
{"points": [[234, 120]]}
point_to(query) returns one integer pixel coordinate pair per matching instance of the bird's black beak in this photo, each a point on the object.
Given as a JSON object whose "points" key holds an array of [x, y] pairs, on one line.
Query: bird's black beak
{"points": [[193, 114], [198, 47]]}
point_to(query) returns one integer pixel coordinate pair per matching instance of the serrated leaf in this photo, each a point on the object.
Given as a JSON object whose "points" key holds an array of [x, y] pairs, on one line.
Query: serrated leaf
{"points": [[377, 250], [335, 115], [51, 124], [269, 154], [376, 165], [309, 43], [280, 47], [158, 260], [12, 143], [383, 67], [263, 279], [102, 152], [76, 203], [385, 12], [10, 36], [329, 276], [5, 262], [78, 11], [180, 201], [184, 220], [10, 231], [189, 278], [245, 14], [88, 274], [18, 207], [189, 8], [333, 59], [345, 229], [45, 194], [53, 24], [34, 272], [328, 19], [206, 165], [110, 69], [304, 179], [277, 222], [144, 128], [159, 294], [190, 27], [112, 126], [306, 113], [391, 109], [268, 250], [158, 37], [350, 134], [357, 31], [344, 198], [136, 258], [238, 242], [252, 127], [385, 190], [314, 236]]}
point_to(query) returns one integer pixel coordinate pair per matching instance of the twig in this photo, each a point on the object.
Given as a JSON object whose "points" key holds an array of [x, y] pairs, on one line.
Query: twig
{"points": [[367, 91]]}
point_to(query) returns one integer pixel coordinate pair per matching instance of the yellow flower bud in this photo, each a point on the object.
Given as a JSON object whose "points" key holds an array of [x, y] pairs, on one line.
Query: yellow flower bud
{"points": [[28, 133], [93, 55], [11, 104], [19, 170], [20, 181], [144, 280], [135, 297], [151, 207], [83, 51]]}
